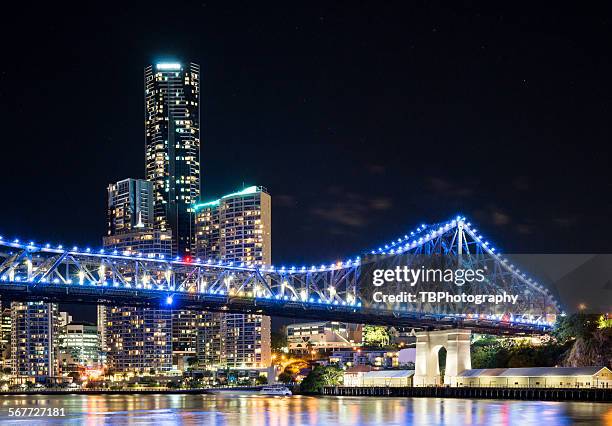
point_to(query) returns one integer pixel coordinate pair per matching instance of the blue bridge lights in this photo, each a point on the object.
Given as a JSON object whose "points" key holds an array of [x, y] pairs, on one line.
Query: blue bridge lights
{"points": [[329, 290]]}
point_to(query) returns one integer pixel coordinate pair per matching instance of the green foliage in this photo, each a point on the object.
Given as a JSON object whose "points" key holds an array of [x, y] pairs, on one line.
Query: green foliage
{"points": [[278, 340], [261, 380], [604, 321], [320, 377], [374, 335], [506, 353], [442, 361], [285, 377]]}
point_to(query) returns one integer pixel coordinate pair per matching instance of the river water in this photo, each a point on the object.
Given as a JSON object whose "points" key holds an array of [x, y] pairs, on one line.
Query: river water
{"points": [[298, 410]]}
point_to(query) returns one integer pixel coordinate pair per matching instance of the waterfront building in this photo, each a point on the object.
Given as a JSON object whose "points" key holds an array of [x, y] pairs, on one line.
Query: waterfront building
{"points": [[5, 337], [235, 228], [185, 326], [139, 339], [172, 144], [135, 339], [101, 324], [34, 333], [376, 358], [536, 377], [388, 378], [353, 376], [81, 341], [318, 336]]}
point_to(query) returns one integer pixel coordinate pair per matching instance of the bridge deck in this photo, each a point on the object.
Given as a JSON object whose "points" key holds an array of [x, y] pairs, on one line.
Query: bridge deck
{"points": [[245, 305]]}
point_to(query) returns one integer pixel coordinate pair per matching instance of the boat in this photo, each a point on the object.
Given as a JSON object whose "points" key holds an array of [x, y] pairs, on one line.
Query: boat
{"points": [[271, 390], [275, 390]]}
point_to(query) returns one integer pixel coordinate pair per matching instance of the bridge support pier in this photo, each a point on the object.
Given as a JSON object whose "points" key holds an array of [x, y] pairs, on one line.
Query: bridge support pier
{"points": [[458, 358]]}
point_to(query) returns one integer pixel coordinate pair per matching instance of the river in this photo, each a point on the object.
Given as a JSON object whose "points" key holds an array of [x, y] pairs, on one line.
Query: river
{"points": [[297, 410]]}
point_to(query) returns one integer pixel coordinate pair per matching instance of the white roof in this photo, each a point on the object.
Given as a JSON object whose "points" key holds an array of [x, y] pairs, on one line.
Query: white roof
{"points": [[388, 374], [532, 372]]}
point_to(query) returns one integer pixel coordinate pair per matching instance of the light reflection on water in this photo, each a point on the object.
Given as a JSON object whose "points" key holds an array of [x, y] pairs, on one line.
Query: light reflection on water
{"points": [[300, 410]]}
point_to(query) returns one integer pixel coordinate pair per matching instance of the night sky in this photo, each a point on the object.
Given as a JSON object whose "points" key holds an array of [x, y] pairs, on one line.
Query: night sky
{"points": [[363, 121]]}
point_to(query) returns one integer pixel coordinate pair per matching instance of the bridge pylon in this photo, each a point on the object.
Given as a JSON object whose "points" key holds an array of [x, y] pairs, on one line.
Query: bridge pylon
{"points": [[458, 358]]}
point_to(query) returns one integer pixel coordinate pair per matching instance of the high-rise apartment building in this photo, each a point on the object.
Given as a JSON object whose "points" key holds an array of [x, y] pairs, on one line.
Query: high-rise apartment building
{"points": [[129, 206], [135, 339], [139, 339], [5, 337], [130, 219], [101, 324], [34, 333], [236, 227], [172, 143]]}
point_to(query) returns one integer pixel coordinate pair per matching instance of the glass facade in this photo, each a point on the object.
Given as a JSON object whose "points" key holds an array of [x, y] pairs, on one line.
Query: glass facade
{"points": [[130, 206], [82, 342], [172, 143]]}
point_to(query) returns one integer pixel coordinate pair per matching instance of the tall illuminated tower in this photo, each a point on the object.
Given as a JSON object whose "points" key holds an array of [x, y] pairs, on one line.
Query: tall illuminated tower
{"points": [[172, 145], [235, 228]]}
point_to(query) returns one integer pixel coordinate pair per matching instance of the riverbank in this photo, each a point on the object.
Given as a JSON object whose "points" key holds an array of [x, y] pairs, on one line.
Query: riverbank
{"points": [[127, 391], [545, 394]]}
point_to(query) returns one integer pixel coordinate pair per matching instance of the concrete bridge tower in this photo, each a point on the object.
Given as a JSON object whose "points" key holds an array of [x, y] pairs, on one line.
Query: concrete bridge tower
{"points": [[429, 343]]}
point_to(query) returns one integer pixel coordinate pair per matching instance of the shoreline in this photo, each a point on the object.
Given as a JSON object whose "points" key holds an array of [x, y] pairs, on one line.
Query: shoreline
{"points": [[534, 394]]}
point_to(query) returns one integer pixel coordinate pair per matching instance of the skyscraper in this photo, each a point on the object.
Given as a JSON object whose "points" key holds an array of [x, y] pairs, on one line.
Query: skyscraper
{"points": [[129, 206], [172, 144], [236, 227], [136, 339]]}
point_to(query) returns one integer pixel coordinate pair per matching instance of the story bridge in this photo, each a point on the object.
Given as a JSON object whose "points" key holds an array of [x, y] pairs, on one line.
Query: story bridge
{"points": [[331, 291]]}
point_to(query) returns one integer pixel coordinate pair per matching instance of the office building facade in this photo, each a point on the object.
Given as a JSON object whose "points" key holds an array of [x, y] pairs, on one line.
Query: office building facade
{"points": [[81, 341], [172, 144], [321, 336], [235, 228]]}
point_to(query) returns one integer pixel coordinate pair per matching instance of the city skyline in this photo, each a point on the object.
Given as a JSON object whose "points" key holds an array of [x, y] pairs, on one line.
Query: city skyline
{"points": [[317, 101], [311, 213]]}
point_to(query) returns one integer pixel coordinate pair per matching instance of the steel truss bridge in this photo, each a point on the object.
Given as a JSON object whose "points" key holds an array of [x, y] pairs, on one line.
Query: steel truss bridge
{"points": [[34, 272]]}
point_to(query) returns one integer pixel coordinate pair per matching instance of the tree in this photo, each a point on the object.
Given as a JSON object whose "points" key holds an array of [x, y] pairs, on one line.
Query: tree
{"points": [[285, 377], [278, 340], [261, 380], [374, 335], [320, 377]]}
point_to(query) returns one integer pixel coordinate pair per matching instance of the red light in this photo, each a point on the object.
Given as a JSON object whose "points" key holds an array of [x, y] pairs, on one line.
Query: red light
{"points": [[188, 259]]}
